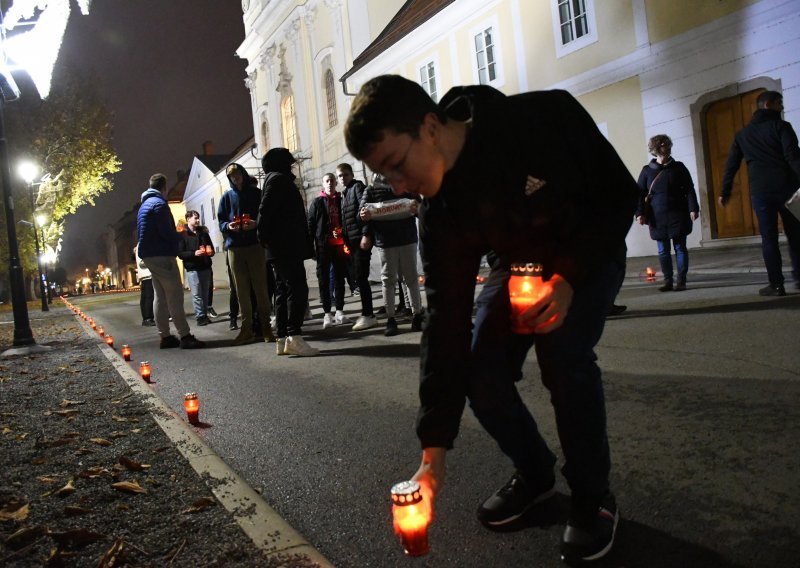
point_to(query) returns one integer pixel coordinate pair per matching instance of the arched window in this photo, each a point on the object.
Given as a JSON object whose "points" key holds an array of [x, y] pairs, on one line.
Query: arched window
{"points": [[330, 99], [264, 136], [288, 119]]}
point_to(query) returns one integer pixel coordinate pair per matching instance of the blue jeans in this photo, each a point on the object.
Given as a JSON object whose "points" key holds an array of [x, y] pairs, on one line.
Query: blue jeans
{"points": [[569, 371], [681, 256], [200, 283], [767, 208]]}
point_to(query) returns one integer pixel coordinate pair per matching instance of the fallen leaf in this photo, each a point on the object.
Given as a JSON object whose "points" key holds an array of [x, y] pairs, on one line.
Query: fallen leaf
{"points": [[65, 403], [83, 451], [73, 510], [6, 430], [68, 412], [132, 465], [77, 536], [94, 472], [68, 489], [14, 512], [116, 418], [123, 507], [117, 434], [101, 441], [39, 461], [109, 559], [25, 536], [128, 487], [200, 505], [136, 430], [47, 479]]}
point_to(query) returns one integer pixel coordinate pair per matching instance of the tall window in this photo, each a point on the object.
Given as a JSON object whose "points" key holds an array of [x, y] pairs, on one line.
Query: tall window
{"points": [[264, 136], [485, 54], [202, 214], [574, 25], [330, 99], [213, 210], [427, 78], [289, 121]]}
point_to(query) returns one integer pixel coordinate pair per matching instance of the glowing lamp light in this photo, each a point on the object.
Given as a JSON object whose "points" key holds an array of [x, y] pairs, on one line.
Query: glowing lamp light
{"points": [[525, 288], [411, 515], [421, 279], [480, 279], [192, 405], [245, 218], [346, 249], [110, 341], [144, 371], [126, 352], [101, 331]]}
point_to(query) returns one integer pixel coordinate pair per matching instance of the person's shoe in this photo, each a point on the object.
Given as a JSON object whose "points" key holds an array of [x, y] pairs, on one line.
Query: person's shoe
{"points": [[391, 328], [616, 310], [308, 314], [280, 346], [269, 337], [148, 322], [365, 322], [404, 312], [594, 539], [203, 321], [512, 500], [169, 342], [340, 318], [191, 342], [244, 337], [381, 311], [296, 346], [327, 321], [233, 325], [212, 313], [355, 292], [666, 287], [772, 290], [680, 286], [416, 322]]}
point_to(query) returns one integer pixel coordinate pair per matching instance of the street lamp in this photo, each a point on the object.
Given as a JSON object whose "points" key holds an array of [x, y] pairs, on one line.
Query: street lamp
{"points": [[28, 171], [49, 259]]}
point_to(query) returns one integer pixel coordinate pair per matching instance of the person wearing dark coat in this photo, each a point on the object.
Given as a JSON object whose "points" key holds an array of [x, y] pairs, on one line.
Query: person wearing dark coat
{"points": [[667, 186], [531, 179], [283, 230], [195, 250], [769, 146]]}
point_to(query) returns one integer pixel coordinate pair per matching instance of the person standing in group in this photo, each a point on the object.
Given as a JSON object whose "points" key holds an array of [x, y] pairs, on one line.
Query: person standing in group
{"points": [[283, 230], [358, 242], [769, 146], [554, 192], [237, 214], [325, 227], [146, 294], [158, 247], [196, 250], [396, 239], [665, 185]]}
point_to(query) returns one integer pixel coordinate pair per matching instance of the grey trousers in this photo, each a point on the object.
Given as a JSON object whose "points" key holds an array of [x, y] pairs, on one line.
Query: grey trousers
{"points": [[402, 260], [169, 294]]}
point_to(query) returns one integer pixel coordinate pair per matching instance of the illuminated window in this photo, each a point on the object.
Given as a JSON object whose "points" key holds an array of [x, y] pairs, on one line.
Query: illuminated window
{"points": [[427, 78], [485, 56], [330, 99], [289, 120]]}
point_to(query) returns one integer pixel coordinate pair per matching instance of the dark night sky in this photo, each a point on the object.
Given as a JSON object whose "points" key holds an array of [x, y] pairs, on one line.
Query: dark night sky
{"points": [[169, 73]]}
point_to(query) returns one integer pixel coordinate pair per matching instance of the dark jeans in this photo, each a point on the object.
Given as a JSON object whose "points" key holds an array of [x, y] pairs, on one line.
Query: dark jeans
{"points": [[327, 256], [234, 300], [681, 256], [767, 208], [291, 296], [569, 371], [146, 297], [211, 288], [361, 259]]}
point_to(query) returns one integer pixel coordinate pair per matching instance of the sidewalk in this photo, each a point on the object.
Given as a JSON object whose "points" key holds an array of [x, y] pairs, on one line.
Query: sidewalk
{"points": [[743, 258]]}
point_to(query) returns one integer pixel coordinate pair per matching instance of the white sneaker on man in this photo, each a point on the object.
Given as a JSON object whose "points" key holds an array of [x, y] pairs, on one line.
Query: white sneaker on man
{"points": [[327, 321], [365, 322], [340, 318], [280, 346], [296, 346]]}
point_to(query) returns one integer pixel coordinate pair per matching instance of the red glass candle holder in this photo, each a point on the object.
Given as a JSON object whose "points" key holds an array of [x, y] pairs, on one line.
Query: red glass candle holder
{"points": [[411, 515], [110, 341], [209, 250], [144, 371], [101, 331], [192, 406], [525, 288], [126, 352]]}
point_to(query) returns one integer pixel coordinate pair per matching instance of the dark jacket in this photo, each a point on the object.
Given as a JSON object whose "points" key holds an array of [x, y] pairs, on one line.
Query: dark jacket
{"points": [[282, 224], [189, 244], [535, 181], [672, 199], [234, 203], [156, 227], [319, 221], [769, 146], [353, 227], [394, 232]]}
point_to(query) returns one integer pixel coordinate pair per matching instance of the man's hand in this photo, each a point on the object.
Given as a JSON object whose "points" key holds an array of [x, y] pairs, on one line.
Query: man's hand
{"points": [[694, 216], [365, 214], [431, 473], [200, 252], [234, 226], [640, 219], [723, 201], [549, 312], [366, 242]]}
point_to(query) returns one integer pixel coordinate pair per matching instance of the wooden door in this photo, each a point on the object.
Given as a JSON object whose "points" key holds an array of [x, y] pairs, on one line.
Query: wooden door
{"points": [[724, 119]]}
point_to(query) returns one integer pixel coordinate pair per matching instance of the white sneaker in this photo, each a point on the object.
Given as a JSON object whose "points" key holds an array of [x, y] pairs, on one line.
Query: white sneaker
{"points": [[341, 318], [365, 322], [280, 346], [327, 321], [296, 346]]}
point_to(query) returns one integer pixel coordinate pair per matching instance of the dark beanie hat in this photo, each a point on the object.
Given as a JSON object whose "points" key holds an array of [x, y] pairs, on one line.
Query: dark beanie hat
{"points": [[278, 160]]}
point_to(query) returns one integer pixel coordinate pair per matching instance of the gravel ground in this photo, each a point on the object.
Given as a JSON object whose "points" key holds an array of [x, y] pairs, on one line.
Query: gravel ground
{"points": [[87, 478]]}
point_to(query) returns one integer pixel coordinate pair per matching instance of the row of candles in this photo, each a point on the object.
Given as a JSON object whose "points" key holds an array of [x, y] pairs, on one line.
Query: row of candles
{"points": [[191, 403]]}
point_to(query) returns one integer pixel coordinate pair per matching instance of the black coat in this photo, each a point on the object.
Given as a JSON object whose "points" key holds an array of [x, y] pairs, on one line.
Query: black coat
{"points": [[673, 198], [282, 226], [353, 227], [189, 244], [319, 220], [769, 146], [394, 232]]}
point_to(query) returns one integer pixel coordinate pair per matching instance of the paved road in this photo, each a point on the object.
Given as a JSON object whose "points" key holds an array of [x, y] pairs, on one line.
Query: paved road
{"points": [[703, 391]]}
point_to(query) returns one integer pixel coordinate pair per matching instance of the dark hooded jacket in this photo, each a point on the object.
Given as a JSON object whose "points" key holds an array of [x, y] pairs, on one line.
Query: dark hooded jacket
{"points": [[282, 226], [156, 227], [188, 245], [769, 146], [353, 227], [536, 181], [673, 198], [234, 203]]}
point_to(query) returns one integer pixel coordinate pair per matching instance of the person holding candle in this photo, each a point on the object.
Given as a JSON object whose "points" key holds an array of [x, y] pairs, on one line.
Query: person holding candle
{"points": [[196, 250], [529, 179]]}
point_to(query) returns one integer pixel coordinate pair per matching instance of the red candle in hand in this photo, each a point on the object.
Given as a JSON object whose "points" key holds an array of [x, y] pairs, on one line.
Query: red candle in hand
{"points": [[412, 515], [525, 288]]}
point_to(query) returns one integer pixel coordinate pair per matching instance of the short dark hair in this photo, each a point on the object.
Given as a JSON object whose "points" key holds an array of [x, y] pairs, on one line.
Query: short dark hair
{"points": [[158, 181], [658, 141], [768, 98], [387, 102], [330, 175], [191, 213], [344, 166]]}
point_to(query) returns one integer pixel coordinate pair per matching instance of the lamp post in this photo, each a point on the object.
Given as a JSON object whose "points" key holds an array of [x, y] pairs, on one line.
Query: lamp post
{"points": [[28, 172], [41, 220]]}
